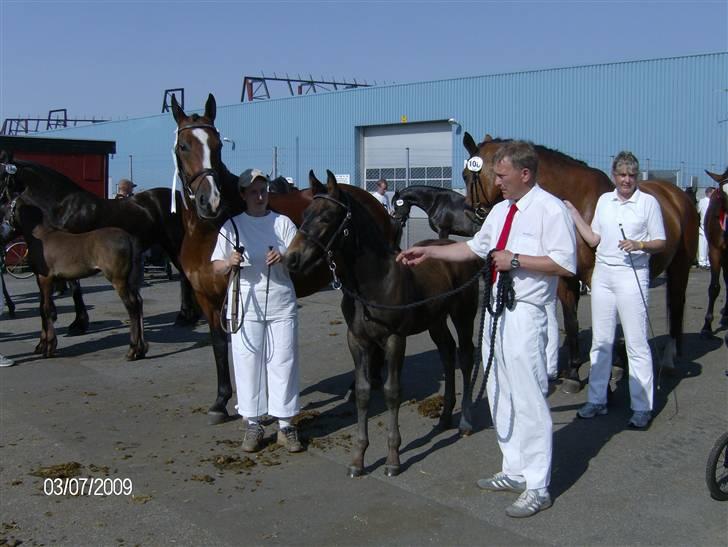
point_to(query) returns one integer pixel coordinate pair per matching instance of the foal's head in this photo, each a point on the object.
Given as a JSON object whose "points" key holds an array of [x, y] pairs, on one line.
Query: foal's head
{"points": [[198, 155]]}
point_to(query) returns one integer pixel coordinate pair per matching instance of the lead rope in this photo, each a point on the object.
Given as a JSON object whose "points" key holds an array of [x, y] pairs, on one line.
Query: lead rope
{"points": [[236, 318], [505, 297]]}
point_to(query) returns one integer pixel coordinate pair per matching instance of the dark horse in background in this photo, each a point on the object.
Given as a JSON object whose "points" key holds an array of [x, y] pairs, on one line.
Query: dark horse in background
{"points": [[67, 206], [446, 210], [716, 231], [339, 228], [54, 255], [210, 192], [573, 180]]}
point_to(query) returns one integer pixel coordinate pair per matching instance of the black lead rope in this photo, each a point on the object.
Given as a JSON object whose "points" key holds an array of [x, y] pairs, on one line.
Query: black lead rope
{"points": [[236, 321], [505, 297]]}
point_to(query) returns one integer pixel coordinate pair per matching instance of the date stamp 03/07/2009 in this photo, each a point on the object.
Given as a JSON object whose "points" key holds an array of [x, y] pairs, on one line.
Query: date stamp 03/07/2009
{"points": [[87, 486]]}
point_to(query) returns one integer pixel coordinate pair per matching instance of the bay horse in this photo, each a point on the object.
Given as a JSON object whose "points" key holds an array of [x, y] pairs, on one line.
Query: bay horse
{"points": [[446, 210], [57, 255], [67, 206], [209, 197], [716, 231], [573, 180], [338, 228]]}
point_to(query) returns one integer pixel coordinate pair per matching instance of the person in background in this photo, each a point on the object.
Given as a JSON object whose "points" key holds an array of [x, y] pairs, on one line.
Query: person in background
{"points": [[703, 241], [125, 189], [627, 227], [265, 349], [4, 361], [532, 237], [381, 195]]}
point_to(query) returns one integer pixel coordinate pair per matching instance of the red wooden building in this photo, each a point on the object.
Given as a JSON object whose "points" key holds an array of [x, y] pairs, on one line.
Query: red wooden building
{"points": [[85, 162]]}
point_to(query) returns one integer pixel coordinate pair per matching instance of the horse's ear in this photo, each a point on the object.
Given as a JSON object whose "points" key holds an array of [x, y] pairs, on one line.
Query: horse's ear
{"points": [[717, 178], [6, 156], [469, 144], [210, 107], [177, 112], [331, 185], [316, 185], [487, 138]]}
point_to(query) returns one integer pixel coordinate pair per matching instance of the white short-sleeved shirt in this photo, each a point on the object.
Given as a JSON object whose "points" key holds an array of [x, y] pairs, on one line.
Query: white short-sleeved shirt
{"points": [[541, 227], [384, 200], [256, 235], [640, 217]]}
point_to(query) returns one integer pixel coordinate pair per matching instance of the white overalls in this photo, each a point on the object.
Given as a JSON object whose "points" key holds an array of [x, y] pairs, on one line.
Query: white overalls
{"points": [[614, 291], [517, 384], [278, 369]]}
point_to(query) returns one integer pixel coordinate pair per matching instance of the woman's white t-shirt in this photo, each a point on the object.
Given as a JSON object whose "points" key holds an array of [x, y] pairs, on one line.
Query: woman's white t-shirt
{"points": [[257, 234]]}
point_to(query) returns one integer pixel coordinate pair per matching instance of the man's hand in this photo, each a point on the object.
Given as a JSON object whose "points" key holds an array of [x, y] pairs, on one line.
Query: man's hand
{"points": [[502, 260]]}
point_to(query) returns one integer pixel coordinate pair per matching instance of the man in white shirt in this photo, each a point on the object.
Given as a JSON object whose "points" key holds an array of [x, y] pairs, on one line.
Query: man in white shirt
{"points": [[381, 195], [534, 240], [703, 240]]}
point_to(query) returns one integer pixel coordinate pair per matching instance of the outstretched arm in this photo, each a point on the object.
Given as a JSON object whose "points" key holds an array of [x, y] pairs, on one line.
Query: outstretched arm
{"points": [[457, 252], [582, 227]]}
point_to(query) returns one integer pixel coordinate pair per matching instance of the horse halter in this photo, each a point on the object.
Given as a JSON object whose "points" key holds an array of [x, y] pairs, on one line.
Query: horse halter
{"points": [[187, 182], [478, 209], [341, 229], [9, 169]]}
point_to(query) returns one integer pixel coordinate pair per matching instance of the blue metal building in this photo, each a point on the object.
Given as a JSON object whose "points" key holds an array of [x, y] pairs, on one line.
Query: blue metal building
{"points": [[672, 113]]}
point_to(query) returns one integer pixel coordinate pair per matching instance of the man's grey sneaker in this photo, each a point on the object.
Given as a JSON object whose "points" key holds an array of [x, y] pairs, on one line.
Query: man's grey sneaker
{"points": [[589, 410], [500, 482], [640, 419], [288, 437], [529, 503], [253, 438], [5, 362]]}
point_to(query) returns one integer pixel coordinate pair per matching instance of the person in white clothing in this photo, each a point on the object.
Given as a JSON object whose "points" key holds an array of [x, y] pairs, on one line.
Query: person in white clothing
{"points": [[534, 240], [265, 349], [381, 195], [703, 240], [627, 227], [4, 361]]}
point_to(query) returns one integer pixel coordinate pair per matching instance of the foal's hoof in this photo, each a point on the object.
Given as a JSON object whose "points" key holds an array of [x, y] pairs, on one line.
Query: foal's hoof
{"points": [[570, 386], [134, 354], [354, 471], [391, 470], [465, 431], [77, 328], [217, 417], [706, 334]]}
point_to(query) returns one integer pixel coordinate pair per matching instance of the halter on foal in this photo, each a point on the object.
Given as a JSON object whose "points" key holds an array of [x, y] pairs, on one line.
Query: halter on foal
{"points": [[339, 228], [53, 254]]}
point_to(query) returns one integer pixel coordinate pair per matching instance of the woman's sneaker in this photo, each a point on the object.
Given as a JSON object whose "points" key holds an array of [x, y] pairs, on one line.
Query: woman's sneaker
{"points": [[500, 482], [640, 419], [529, 503], [589, 410], [288, 437], [253, 438]]}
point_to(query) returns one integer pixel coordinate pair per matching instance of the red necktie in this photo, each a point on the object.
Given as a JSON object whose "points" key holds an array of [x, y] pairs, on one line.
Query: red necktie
{"points": [[503, 238]]}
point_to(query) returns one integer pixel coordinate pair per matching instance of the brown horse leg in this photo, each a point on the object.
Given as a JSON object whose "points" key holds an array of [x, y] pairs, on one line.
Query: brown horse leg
{"points": [[218, 413], [48, 341], [80, 323], [8, 301], [678, 273], [132, 302], [463, 318], [568, 293], [363, 391], [393, 397], [724, 311], [189, 312], [713, 292], [440, 334]]}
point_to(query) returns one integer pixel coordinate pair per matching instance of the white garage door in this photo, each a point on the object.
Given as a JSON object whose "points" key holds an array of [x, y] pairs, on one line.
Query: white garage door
{"points": [[385, 151]]}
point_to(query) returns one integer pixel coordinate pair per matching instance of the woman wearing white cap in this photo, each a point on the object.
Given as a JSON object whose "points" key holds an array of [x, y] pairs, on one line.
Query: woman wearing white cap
{"points": [[265, 349]]}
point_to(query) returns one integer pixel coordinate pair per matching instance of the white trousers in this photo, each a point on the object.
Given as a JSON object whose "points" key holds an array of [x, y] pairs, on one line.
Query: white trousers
{"points": [[278, 372], [702, 248], [552, 345], [614, 292], [517, 387]]}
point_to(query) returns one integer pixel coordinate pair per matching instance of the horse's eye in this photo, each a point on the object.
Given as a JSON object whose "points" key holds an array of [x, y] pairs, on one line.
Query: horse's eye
{"points": [[182, 147]]}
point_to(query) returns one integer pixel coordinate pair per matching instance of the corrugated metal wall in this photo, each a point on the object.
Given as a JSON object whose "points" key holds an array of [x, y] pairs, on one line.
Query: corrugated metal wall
{"points": [[670, 112]]}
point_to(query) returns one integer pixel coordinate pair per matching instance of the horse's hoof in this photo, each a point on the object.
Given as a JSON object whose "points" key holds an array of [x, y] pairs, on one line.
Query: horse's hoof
{"points": [[706, 334], [186, 320], [669, 370], [354, 471], [570, 386], [391, 470], [217, 417], [465, 432], [38, 349], [76, 329]]}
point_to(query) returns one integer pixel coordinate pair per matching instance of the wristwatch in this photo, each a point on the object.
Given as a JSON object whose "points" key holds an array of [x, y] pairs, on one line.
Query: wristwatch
{"points": [[515, 264]]}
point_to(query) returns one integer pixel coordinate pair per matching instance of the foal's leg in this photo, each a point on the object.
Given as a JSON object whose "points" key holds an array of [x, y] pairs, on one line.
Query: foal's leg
{"points": [[361, 356], [568, 292], [132, 302], [80, 323], [394, 354], [48, 341], [713, 292], [8, 301], [440, 334], [724, 311], [463, 318]]}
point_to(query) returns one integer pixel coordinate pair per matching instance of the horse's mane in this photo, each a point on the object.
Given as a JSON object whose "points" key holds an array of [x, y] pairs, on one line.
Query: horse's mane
{"points": [[428, 187], [365, 228], [541, 149]]}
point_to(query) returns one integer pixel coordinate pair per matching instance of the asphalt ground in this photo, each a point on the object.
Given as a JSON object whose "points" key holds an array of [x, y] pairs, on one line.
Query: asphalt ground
{"points": [[143, 425]]}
